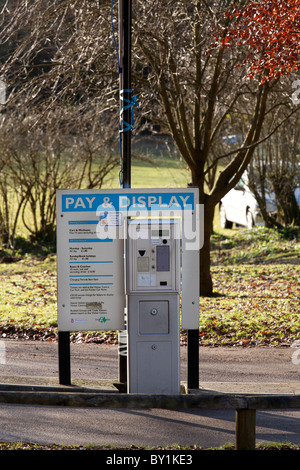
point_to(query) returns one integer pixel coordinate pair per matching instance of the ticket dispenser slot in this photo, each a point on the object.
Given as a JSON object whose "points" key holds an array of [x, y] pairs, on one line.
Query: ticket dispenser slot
{"points": [[152, 291]]}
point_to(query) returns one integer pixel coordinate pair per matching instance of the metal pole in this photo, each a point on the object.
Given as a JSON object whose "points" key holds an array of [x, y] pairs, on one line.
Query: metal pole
{"points": [[193, 359], [64, 358], [125, 19], [125, 15]]}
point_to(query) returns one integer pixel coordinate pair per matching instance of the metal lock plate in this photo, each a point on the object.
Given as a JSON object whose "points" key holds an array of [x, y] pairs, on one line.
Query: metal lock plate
{"points": [[153, 317]]}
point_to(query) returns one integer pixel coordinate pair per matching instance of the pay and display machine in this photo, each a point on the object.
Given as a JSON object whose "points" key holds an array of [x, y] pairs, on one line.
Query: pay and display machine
{"points": [[152, 293]]}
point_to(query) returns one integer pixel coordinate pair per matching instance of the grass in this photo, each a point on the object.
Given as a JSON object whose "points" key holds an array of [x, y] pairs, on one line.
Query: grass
{"points": [[157, 173], [255, 275], [28, 293], [19, 445]]}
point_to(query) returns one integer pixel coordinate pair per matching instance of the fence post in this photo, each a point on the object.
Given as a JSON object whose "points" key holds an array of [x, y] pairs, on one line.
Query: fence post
{"points": [[245, 422]]}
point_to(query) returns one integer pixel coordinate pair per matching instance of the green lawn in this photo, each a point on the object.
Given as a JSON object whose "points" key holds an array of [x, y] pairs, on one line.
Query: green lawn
{"points": [[159, 173], [256, 276], [256, 279]]}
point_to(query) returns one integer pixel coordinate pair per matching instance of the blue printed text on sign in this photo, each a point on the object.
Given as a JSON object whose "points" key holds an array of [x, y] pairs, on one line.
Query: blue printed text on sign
{"points": [[124, 202]]}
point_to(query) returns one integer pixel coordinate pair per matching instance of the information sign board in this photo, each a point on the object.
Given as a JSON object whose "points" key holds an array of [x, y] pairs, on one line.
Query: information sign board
{"points": [[90, 250]]}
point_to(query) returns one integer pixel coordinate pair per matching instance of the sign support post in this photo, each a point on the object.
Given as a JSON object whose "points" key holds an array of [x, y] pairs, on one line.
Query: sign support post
{"points": [[64, 357], [125, 13], [193, 359]]}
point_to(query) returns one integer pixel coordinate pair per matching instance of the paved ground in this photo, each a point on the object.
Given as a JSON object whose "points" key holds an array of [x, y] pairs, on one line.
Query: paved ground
{"points": [[233, 369], [97, 362]]}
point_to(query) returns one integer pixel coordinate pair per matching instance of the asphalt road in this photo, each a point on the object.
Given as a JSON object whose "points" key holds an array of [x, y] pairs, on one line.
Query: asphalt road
{"points": [[37, 362]]}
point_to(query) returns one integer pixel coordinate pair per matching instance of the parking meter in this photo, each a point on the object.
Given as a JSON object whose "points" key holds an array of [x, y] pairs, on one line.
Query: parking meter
{"points": [[152, 293]]}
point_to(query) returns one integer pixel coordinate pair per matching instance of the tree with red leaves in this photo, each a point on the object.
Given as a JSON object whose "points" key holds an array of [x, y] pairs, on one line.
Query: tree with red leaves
{"points": [[271, 32]]}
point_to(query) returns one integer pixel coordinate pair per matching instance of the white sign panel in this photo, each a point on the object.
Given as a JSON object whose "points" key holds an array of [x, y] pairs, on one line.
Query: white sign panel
{"points": [[90, 269], [90, 251]]}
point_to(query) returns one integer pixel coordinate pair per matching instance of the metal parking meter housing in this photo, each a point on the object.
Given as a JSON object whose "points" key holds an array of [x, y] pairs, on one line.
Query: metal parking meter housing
{"points": [[152, 292]]}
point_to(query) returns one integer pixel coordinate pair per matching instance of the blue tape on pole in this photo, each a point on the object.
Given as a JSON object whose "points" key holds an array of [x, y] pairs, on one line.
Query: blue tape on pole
{"points": [[126, 125], [131, 102]]}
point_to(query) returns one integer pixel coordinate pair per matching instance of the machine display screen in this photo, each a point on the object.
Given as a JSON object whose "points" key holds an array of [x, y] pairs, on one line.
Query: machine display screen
{"points": [[162, 258]]}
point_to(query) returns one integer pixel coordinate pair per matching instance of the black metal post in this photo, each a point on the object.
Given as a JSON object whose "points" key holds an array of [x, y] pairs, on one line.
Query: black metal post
{"points": [[64, 358], [125, 20], [193, 359]]}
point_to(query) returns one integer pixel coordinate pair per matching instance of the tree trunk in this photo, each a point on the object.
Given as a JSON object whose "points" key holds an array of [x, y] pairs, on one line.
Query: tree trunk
{"points": [[284, 192], [206, 284]]}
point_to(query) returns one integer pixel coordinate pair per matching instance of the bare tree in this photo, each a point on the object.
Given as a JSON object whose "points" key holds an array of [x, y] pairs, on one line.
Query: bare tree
{"points": [[276, 165], [58, 130], [197, 93]]}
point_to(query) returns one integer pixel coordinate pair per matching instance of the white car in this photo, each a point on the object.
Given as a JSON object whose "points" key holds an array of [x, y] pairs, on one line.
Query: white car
{"points": [[239, 206], [297, 195]]}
